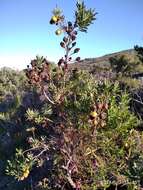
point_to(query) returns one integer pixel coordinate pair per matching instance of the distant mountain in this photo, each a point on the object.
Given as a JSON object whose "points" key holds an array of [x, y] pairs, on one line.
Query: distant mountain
{"points": [[103, 61]]}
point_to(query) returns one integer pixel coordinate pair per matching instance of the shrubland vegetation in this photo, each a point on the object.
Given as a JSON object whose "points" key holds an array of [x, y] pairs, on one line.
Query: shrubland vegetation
{"points": [[66, 129]]}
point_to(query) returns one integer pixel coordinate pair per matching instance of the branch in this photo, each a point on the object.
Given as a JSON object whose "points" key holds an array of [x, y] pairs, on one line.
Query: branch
{"points": [[71, 182], [44, 150], [140, 102], [46, 96], [30, 149]]}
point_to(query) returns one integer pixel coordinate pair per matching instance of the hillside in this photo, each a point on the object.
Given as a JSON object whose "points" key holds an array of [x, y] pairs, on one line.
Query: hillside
{"points": [[103, 61]]}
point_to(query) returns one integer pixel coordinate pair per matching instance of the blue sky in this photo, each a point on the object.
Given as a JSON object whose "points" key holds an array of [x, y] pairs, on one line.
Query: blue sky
{"points": [[25, 30]]}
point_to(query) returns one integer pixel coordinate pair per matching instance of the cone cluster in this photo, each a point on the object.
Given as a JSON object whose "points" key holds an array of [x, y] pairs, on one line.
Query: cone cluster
{"points": [[98, 115]]}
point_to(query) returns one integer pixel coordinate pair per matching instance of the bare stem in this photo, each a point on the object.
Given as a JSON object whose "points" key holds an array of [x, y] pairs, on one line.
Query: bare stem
{"points": [[47, 97]]}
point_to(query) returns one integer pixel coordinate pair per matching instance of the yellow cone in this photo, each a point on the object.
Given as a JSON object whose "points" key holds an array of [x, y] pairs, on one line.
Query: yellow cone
{"points": [[93, 114], [54, 18]]}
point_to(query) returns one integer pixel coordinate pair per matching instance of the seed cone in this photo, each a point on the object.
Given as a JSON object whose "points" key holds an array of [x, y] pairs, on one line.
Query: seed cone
{"points": [[62, 44], [58, 32], [99, 116]]}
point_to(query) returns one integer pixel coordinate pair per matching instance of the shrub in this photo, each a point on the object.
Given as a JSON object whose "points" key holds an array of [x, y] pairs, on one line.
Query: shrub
{"points": [[139, 51], [123, 65], [89, 135], [83, 136]]}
